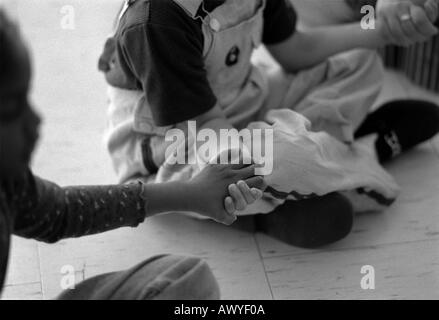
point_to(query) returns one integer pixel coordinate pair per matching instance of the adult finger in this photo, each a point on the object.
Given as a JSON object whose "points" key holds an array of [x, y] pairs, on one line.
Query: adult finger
{"points": [[257, 182], [243, 160], [432, 9], [240, 165], [234, 157], [396, 33], [230, 218], [421, 22], [226, 156], [408, 27], [226, 218], [245, 172]]}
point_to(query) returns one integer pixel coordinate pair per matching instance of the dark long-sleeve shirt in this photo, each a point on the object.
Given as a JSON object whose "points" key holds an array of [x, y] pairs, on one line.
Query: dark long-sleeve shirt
{"points": [[34, 208]]}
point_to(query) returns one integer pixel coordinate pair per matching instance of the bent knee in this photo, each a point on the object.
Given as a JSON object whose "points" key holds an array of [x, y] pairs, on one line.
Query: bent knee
{"points": [[364, 62], [367, 60]]}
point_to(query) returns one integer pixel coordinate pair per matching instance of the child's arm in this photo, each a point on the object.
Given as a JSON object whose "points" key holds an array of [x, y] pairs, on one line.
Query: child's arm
{"points": [[49, 213], [307, 48], [216, 192]]}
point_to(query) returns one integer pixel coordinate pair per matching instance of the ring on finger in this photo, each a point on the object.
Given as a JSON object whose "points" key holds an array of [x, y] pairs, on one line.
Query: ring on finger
{"points": [[405, 17]]}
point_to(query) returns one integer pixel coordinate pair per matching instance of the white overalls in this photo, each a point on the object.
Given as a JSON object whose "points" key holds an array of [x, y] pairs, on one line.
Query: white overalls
{"points": [[335, 96]]}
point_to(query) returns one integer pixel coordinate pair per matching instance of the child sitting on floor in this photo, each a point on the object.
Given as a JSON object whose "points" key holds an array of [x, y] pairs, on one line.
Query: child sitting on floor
{"points": [[173, 61], [35, 208]]}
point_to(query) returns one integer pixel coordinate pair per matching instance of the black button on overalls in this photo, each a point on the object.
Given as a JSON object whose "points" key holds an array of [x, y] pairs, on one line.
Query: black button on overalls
{"points": [[233, 56]]}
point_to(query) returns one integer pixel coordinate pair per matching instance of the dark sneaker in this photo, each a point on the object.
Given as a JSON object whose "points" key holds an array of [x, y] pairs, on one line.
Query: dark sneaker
{"points": [[401, 125], [309, 223]]}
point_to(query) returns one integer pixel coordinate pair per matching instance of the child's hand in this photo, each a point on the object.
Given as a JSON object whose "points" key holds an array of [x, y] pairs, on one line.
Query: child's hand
{"points": [[242, 195], [406, 22], [210, 188]]}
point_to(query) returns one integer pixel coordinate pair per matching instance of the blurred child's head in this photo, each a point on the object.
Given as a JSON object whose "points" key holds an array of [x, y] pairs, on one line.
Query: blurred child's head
{"points": [[18, 122]]}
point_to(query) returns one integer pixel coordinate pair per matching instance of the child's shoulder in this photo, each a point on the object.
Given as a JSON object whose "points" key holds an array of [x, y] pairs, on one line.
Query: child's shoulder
{"points": [[167, 13]]}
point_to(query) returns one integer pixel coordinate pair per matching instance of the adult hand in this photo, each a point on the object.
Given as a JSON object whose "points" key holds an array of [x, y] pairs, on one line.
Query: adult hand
{"points": [[406, 22], [221, 189]]}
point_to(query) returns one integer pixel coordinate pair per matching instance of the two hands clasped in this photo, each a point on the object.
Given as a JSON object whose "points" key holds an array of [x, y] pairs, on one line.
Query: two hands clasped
{"points": [[220, 190], [225, 189], [406, 22]]}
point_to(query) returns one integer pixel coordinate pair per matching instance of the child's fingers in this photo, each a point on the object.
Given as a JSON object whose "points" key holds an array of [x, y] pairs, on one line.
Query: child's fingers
{"points": [[246, 192], [230, 215], [228, 219], [229, 205], [238, 198], [256, 182], [257, 194]]}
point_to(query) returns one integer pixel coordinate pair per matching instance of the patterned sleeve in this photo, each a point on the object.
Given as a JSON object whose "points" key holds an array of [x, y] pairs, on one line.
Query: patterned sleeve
{"points": [[49, 213]]}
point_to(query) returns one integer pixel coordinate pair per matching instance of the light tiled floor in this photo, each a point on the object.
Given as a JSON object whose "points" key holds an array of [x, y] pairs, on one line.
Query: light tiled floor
{"points": [[402, 244]]}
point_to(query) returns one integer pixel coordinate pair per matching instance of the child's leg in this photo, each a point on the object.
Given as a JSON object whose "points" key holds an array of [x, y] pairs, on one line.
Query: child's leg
{"points": [[336, 96], [164, 277], [309, 223], [320, 13], [123, 143]]}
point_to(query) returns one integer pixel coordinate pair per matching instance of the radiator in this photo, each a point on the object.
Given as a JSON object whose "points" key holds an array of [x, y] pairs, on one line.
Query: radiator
{"points": [[419, 62]]}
